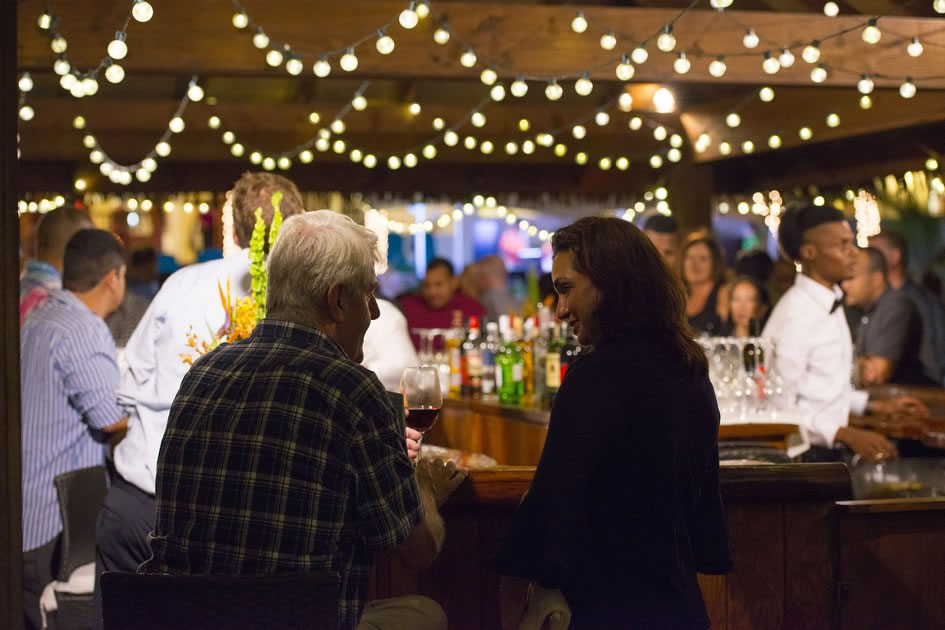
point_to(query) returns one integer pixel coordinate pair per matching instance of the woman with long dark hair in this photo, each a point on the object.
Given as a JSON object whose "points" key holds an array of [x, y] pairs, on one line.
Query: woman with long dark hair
{"points": [[624, 508], [703, 273]]}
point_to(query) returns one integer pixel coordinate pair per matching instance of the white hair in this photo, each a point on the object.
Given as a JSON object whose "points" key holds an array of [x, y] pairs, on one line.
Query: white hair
{"points": [[313, 251]]}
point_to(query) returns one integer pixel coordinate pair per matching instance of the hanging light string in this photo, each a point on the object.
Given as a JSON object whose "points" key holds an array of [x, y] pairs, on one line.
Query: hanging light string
{"points": [[24, 86], [81, 83], [143, 168], [279, 52]]}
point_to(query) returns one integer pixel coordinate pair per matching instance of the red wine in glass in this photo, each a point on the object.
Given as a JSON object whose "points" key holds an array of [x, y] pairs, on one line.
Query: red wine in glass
{"points": [[422, 419]]}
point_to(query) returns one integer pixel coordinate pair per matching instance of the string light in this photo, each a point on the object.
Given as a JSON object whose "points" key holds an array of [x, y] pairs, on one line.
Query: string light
{"points": [[659, 133], [488, 76], [831, 9], [733, 120], [142, 10], [583, 86], [725, 148], [497, 93], [625, 101], [774, 141], [865, 84], [751, 39], [117, 48], [866, 102], [766, 94], [717, 67], [907, 89], [468, 58], [240, 19], [553, 91], [608, 41], [748, 146], [294, 65], [385, 43], [579, 23], [601, 119], [408, 18], [478, 119], [770, 64], [359, 103], [666, 40], [818, 74], [939, 6], [349, 61], [871, 34], [682, 64], [438, 123], [260, 39], [914, 49], [639, 55], [811, 52], [833, 120], [664, 101], [624, 70], [442, 35], [274, 57], [414, 109], [578, 131], [786, 58], [519, 88]]}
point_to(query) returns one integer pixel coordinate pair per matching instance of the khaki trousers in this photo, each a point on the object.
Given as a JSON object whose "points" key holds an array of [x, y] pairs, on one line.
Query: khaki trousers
{"points": [[413, 612]]}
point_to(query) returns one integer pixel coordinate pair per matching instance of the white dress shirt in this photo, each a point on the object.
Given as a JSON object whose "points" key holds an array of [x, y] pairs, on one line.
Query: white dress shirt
{"points": [[189, 300], [814, 357], [387, 346]]}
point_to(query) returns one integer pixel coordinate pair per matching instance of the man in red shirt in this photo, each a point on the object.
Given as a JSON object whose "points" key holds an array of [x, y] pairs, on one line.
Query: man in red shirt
{"points": [[438, 298]]}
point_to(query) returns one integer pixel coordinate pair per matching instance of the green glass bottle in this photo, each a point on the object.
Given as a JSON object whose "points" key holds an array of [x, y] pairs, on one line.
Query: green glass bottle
{"points": [[509, 371]]}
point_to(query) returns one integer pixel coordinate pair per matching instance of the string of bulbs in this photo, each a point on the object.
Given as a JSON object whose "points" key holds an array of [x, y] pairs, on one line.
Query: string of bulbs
{"points": [[82, 83]]}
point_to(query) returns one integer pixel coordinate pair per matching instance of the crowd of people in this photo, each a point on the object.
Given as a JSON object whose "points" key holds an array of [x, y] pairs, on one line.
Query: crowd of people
{"points": [[283, 452]]}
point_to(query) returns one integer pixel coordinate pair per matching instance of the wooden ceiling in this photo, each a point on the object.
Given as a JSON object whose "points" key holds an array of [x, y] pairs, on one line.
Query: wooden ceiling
{"points": [[268, 110]]}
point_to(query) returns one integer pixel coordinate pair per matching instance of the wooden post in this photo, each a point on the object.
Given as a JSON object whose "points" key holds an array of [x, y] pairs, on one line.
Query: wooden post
{"points": [[11, 563], [690, 187]]}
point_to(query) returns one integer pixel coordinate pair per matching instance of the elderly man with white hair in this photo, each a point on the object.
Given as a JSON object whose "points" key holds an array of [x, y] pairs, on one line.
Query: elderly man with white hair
{"points": [[283, 454]]}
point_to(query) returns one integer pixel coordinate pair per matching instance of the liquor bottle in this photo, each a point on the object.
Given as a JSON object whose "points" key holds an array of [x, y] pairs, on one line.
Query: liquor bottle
{"points": [[553, 366], [508, 371], [472, 362], [539, 353], [454, 354], [524, 331], [570, 351], [489, 348]]}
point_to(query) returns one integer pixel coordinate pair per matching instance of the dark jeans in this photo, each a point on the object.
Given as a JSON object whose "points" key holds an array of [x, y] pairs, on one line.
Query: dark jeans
{"points": [[121, 534], [40, 566]]}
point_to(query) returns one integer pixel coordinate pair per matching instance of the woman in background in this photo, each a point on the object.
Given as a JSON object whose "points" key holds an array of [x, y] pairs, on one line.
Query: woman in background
{"points": [[748, 308], [703, 274], [624, 507]]}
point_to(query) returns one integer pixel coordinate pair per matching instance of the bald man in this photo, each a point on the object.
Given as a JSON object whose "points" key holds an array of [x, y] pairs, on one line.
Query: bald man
{"points": [[44, 273]]}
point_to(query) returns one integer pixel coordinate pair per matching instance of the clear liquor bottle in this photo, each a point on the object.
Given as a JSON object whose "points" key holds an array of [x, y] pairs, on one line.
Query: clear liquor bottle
{"points": [[489, 348], [472, 362], [454, 354]]}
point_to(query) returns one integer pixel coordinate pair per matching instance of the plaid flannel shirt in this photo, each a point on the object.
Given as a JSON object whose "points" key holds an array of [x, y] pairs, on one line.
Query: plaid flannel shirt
{"points": [[282, 455]]}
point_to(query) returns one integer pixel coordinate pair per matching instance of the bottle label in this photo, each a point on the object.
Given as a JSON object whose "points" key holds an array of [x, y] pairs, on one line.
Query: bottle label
{"points": [[474, 365], [553, 370], [498, 377], [518, 372]]}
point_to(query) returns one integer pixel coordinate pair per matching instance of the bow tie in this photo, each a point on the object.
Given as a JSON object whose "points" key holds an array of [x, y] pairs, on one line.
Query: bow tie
{"points": [[836, 304]]}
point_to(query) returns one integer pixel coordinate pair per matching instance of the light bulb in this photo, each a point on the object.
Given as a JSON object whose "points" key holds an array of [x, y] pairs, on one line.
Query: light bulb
{"points": [[939, 6], [468, 58], [682, 64], [142, 11], [67, 81], [664, 101], [666, 41], [866, 102], [438, 123], [907, 89], [255, 157], [833, 120], [237, 149], [488, 76], [274, 57], [624, 69], [497, 92], [865, 84], [818, 74], [59, 44], [27, 113], [359, 103], [117, 48], [725, 148], [339, 146], [871, 34], [441, 35], [524, 124], [162, 148], [195, 92], [831, 9], [786, 58], [748, 146], [584, 86], [622, 163], [717, 67], [581, 158], [214, 122], [770, 64], [656, 161], [294, 66], [149, 164], [408, 17], [77, 90], [114, 73], [519, 88], [805, 133], [88, 141], [931, 164], [25, 83], [142, 175], [429, 152], [229, 137], [528, 147], [766, 94], [487, 147], [733, 120], [260, 39], [90, 85], [601, 119], [337, 126], [639, 55], [370, 160], [176, 124], [45, 21], [675, 140], [61, 66], [115, 176], [268, 163], [384, 44], [579, 23], [422, 9], [410, 160], [470, 142], [811, 52], [284, 163], [321, 68], [578, 131], [105, 168], [553, 91], [608, 41], [240, 19], [78, 122], [545, 139], [306, 157], [322, 144], [751, 39], [914, 48], [625, 102], [659, 133], [349, 61], [674, 155], [720, 4], [511, 148], [774, 141], [450, 138], [478, 119]]}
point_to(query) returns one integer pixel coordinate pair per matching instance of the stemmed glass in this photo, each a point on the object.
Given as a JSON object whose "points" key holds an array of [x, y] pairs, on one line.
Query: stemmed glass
{"points": [[422, 396]]}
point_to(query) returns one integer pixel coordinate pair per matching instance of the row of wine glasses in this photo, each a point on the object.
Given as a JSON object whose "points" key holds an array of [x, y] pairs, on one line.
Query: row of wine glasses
{"points": [[746, 384]]}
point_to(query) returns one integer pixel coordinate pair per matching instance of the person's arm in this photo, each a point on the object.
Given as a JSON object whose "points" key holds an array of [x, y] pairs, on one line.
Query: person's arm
{"points": [[89, 372], [890, 328], [437, 480], [875, 370]]}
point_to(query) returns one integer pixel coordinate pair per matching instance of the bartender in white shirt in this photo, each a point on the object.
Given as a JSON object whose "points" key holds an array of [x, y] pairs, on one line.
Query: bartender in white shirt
{"points": [[814, 351]]}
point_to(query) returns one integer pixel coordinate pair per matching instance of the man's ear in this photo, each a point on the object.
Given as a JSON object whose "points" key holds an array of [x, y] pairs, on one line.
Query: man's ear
{"points": [[335, 302], [807, 251]]}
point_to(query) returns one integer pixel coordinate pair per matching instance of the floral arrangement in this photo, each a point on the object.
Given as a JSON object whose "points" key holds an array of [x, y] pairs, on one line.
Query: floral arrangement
{"points": [[241, 315]]}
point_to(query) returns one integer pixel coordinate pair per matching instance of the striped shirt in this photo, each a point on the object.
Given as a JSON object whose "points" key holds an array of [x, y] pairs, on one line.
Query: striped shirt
{"points": [[68, 380], [282, 455]]}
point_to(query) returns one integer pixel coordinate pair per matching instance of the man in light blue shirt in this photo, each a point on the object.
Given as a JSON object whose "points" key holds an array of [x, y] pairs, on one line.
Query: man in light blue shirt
{"points": [[68, 383]]}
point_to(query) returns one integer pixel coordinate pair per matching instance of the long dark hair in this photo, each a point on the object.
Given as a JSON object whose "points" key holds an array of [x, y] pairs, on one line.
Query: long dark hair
{"points": [[638, 291]]}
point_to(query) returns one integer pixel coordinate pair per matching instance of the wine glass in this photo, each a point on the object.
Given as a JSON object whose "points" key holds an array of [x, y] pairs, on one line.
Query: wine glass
{"points": [[422, 396]]}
